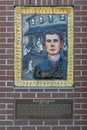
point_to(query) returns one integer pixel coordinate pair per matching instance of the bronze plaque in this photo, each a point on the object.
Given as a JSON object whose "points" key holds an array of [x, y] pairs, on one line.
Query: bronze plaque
{"points": [[43, 109]]}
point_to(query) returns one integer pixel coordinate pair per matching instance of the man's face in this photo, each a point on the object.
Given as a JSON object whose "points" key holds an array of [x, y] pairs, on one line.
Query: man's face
{"points": [[53, 44]]}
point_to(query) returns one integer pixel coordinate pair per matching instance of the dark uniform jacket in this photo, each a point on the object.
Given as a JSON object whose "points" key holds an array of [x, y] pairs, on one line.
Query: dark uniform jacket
{"points": [[51, 70]]}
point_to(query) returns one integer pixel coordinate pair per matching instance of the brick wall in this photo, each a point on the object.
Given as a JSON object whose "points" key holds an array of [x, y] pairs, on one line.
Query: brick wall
{"points": [[7, 90]]}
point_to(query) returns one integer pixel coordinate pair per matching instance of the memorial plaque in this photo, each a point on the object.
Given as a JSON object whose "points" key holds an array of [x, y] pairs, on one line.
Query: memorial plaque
{"points": [[43, 109]]}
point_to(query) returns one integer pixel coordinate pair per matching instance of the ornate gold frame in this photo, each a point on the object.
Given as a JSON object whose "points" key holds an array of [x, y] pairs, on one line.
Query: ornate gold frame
{"points": [[18, 11]]}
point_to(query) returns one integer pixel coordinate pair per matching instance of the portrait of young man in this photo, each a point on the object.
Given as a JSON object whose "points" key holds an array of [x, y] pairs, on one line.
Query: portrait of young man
{"points": [[55, 65]]}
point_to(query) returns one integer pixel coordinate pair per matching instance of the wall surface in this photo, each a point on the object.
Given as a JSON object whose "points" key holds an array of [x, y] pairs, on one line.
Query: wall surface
{"points": [[7, 90]]}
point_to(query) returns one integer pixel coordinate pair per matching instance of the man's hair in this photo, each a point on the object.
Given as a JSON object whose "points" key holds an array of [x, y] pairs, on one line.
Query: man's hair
{"points": [[51, 32]]}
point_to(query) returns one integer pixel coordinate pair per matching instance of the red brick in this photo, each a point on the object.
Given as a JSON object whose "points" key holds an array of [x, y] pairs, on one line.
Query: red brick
{"points": [[77, 83], [77, 62], [36, 90], [10, 72], [73, 95], [58, 95], [80, 56], [6, 57], [10, 51], [2, 8], [80, 112], [84, 18], [80, 13], [84, 72], [6, 46], [77, 105], [59, 2], [80, 2], [10, 61], [36, 122], [9, 117], [81, 78], [2, 61], [2, 106], [13, 95], [13, 128], [55, 2], [80, 46], [6, 111], [49, 1], [43, 95], [2, 94], [10, 18], [2, 50], [80, 122], [6, 78], [7, 2], [84, 128], [84, 51], [8, 13], [10, 84], [84, 29], [77, 18], [2, 118], [76, 117], [51, 122], [81, 89], [3, 29], [51, 90], [80, 34], [84, 117], [5, 89], [43, 128], [10, 106], [39, 1], [21, 90], [2, 19], [77, 73], [10, 8], [76, 29], [2, 40], [2, 128], [58, 128], [84, 105], [28, 1], [44, 2], [80, 100], [6, 35], [5, 100], [6, 67], [2, 84], [77, 7], [77, 40], [32, 1], [80, 68], [73, 128], [84, 40], [65, 1], [28, 95], [67, 122], [22, 2], [10, 30], [84, 95], [28, 128], [20, 122], [3, 123], [66, 90], [84, 83]]}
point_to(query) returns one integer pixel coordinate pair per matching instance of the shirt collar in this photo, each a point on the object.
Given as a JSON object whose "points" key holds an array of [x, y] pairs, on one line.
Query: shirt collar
{"points": [[54, 61]]}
